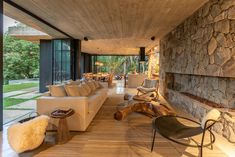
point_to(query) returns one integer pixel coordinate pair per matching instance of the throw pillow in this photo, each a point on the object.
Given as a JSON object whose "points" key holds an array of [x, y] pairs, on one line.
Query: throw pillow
{"points": [[72, 90], [71, 82], [82, 90], [91, 85], [99, 84], [87, 88], [57, 90], [96, 83]]}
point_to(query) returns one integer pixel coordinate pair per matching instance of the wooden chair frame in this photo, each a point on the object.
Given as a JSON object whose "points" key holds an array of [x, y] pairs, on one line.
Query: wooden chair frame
{"points": [[156, 96]]}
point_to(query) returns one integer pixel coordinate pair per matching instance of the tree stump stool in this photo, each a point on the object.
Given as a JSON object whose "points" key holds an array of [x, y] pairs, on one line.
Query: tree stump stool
{"points": [[63, 133]]}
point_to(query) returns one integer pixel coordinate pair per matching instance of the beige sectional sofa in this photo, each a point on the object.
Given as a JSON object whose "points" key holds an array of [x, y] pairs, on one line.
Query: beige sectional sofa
{"points": [[85, 108]]}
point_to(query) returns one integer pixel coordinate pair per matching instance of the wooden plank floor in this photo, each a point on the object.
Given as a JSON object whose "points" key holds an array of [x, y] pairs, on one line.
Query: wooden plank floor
{"points": [[106, 137]]}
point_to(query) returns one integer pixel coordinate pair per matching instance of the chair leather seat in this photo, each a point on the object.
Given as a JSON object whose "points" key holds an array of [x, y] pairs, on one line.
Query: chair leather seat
{"points": [[172, 128]]}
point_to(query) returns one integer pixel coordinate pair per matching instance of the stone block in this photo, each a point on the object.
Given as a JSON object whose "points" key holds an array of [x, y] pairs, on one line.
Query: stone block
{"points": [[227, 4], [212, 46], [220, 17], [215, 10], [221, 40], [222, 56], [212, 59], [222, 26], [232, 27], [231, 13]]}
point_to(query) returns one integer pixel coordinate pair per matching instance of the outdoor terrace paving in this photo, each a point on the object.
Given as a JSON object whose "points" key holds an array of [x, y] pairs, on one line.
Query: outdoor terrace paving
{"points": [[14, 112]]}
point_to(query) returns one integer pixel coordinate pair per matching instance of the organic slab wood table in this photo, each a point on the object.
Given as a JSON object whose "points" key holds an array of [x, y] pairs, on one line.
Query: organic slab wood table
{"points": [[63, 133], [148, 108]]}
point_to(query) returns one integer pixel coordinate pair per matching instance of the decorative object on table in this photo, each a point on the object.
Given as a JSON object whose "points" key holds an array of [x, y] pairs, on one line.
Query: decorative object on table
{"points": [[148, 87], [63, 134], [27, 135], [170, 127], [149, 109]]}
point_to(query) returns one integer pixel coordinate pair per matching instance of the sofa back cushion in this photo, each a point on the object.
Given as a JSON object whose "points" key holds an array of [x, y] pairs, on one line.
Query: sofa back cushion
{"points": [[91, 85], [83, 89], [71, 82], [57, 90], [87, 88], [72, 90], [96, 83]]}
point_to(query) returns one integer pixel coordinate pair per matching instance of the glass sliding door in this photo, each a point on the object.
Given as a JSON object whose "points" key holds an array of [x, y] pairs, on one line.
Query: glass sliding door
{"points": [[61, 61]]}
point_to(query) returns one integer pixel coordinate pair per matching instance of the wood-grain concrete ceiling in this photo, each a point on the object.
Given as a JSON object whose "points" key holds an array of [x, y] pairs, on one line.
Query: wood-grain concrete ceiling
{"points": [[112, 26]]}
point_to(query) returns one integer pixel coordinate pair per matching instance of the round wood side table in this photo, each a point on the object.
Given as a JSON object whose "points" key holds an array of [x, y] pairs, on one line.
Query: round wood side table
{"points": [[63, 133]]}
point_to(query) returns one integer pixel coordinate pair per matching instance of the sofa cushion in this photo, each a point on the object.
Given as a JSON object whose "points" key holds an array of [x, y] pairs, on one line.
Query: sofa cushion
{"points": [[82, 90], [72, 90], [91, 85], [96, 83], [87, 88], [71, 82], [57, 90]]}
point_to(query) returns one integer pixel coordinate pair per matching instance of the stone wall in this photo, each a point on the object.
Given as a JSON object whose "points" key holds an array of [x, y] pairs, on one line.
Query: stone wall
{"points": [[204, 44], [198, 57], [215, 89]]}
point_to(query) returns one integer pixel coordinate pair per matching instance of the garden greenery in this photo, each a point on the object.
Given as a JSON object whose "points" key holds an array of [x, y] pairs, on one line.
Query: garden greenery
{"points": [[20, 59]]}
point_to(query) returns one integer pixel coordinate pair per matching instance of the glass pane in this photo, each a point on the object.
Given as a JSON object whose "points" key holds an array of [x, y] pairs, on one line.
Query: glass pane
{"points": [[65, 65], [57, 45], [57, 66], [61, 69], [65, 45]]}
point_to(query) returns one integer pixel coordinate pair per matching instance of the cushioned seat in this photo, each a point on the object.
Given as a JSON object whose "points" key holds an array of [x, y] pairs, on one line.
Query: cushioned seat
{"points": [[146, 90]]}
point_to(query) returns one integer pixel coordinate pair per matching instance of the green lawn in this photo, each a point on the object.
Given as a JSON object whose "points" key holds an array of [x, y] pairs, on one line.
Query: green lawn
{"points": [[8, 101], [15, 87], [12, 101]]}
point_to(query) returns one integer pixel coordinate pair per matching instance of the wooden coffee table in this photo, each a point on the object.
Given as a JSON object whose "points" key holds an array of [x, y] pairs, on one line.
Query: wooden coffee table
{"points": [[63, 133]]}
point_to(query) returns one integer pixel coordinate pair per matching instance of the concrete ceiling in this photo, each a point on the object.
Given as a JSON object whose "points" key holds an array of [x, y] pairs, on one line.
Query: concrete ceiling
{"points": [[112, 26]]}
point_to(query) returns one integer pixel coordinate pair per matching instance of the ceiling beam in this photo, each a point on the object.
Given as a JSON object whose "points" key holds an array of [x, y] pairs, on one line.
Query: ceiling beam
{"points": [[36, 17]]}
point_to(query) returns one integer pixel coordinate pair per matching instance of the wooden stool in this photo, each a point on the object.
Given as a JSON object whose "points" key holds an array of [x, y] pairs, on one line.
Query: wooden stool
{"points": [[63, 133]]}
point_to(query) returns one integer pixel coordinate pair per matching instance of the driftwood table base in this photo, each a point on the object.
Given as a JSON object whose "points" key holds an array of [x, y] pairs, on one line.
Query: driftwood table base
{"points": [[151, 109]]}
